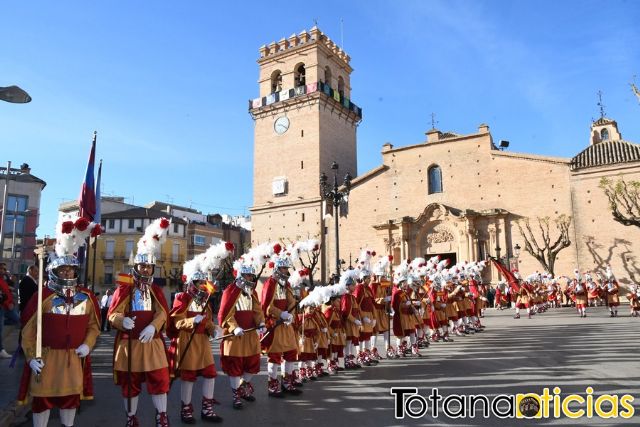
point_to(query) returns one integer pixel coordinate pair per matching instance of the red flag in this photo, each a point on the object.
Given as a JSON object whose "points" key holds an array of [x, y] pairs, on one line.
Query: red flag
{"points": [[511, 279], [87, 199]]}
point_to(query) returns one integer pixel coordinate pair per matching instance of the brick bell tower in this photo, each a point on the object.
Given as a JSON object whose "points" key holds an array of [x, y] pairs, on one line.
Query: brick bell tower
{"points": [[304, 120]]}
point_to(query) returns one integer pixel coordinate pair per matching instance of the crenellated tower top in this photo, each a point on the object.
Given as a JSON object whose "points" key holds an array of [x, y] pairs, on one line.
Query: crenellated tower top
{"points": [[303, 38]]}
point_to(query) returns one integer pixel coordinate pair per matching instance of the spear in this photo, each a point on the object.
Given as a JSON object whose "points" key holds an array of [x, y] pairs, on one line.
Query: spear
{"points": [[40, 253]]}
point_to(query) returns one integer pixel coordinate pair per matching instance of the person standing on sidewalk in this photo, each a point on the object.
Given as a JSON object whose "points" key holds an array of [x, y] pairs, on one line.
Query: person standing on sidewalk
{"points": [[27, 287], [105, 303], [7, 308]]}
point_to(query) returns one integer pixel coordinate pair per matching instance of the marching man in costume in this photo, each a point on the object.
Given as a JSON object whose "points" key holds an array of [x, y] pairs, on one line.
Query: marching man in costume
{"points": [[281, 345], [634, 300], [364, 298], [405, 316], [139, 312], [240, 314], [381, 300], [580, 292], [337, 336], [61, 375], [350, 312], [191, 325], [612, 288]]}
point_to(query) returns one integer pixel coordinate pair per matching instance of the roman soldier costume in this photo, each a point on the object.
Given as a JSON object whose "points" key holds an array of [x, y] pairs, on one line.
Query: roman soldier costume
{"points": [[61, 375], [139, 312], [381, 298], [281, 345], [190, 326], [405, 316], [240, 314], [337, 335], [350, 312], [612, 289]]}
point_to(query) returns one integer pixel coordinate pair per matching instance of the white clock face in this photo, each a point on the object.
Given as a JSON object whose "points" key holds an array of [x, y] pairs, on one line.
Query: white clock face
{"points": [[281, 125]]}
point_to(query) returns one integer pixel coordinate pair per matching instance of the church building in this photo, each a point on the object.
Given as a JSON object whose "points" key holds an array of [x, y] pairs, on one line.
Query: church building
{"points": [[453, 195]]}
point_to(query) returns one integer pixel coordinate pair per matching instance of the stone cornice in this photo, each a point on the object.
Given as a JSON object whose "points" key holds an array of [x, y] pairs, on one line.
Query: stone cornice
{"points": [[533, 157], [287, 204], [307, 100], [442, 141]]}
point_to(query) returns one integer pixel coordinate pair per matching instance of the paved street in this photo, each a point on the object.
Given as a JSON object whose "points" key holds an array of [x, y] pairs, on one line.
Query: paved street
{"points": [[556, 348]]}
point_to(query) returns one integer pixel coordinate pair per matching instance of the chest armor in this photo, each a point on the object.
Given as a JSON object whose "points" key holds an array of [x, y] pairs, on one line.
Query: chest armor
{"points": [[281, 292], [141, 301], [195, 306], [78, 305], [244, 303]]}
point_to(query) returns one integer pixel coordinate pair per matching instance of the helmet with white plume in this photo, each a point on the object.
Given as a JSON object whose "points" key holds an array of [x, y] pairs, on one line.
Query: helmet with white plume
{"points": [[281, 263], [71, 233], [148, 246]]}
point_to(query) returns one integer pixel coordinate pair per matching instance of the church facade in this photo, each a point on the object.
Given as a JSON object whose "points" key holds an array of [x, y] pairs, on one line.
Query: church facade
{"points": [[457, 196]]}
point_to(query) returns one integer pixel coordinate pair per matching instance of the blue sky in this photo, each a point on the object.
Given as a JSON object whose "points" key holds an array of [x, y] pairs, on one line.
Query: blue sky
{"points": [[166, 84]]}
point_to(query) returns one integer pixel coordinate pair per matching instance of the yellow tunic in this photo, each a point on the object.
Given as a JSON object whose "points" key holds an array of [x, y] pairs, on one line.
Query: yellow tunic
{"points": [[147, 356], [62, 372], [247, 344], [380, 313], [199, 355], [284, 338]]}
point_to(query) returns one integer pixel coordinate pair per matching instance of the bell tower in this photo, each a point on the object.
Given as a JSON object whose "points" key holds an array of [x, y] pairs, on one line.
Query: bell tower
{"points": [[304, 120]]}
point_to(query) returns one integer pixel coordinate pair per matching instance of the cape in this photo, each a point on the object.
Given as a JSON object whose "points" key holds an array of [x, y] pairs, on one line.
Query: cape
{"points": [[27, 314], [395, 304], [228, 300], [268, 291]]}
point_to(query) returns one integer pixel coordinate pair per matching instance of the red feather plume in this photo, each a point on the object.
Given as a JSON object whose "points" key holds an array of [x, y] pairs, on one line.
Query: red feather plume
{"points": [[277, 248], [67, 227], [229, 246], [164, 223], [82, 223], [96, 231]]}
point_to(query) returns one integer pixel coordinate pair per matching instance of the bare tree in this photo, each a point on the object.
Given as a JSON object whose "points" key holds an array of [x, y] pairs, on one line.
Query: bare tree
{"points": [[312, 260], [624, 200], [547, 250]]}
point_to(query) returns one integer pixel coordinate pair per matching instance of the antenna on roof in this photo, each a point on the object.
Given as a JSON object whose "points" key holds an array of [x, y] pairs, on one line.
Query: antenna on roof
{"points": [[600, 104], [635, 89], [342, 33], [433, 121]]}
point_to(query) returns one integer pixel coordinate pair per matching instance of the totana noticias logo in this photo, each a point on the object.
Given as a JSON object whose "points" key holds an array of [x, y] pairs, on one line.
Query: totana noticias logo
{"points": [[408, 403]]}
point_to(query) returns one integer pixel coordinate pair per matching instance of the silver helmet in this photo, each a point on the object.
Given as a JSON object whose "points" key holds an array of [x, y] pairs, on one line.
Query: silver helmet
{"points": [[246, 278], [140, 259], [56, 283], [196, 287], [282, 275]]}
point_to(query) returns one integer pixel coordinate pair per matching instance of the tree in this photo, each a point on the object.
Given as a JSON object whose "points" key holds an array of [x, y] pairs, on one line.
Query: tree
{"points": [[624, 200], [546, 251]]}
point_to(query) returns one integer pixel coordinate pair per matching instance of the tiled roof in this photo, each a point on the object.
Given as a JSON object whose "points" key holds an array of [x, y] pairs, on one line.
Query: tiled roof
{"points": [[606, 153], [141, 213], [603, 121]]}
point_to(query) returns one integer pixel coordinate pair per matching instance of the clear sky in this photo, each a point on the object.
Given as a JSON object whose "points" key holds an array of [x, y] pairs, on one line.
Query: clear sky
{"points": [[166, 84]]}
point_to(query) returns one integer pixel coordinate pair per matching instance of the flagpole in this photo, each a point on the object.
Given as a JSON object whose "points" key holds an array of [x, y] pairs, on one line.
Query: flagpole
{"points": [[97, 218]]}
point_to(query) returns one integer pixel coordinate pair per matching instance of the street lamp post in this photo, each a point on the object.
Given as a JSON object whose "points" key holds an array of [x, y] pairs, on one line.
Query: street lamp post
{"points": [[335, 196], [516, 254], [4, 208], [14, 94]]}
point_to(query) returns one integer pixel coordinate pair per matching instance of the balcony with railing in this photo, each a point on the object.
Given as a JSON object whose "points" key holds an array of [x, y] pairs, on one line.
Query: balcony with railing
{"points": [[299, 91]]}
